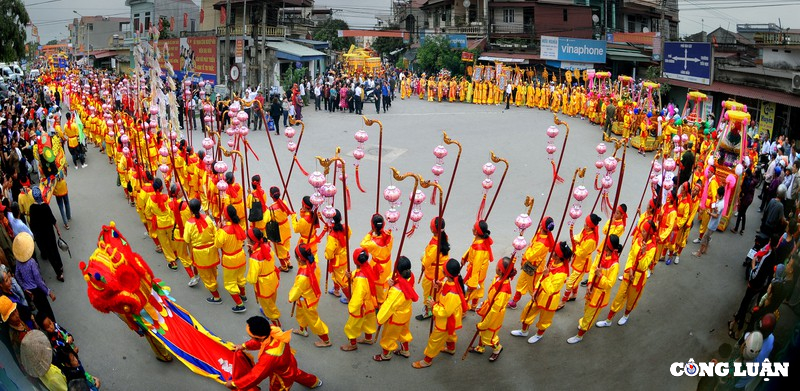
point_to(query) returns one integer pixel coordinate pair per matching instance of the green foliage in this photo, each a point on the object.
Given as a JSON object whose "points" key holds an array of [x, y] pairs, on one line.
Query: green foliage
{"points": [[165, 32], [52, 42], [329, 31], [13, 20], [654, 73], [435, 54], [291, 76], [386, 45]]}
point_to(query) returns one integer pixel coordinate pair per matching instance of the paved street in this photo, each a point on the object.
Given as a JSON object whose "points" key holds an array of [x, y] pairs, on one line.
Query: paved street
{"points": [[681, 315]]}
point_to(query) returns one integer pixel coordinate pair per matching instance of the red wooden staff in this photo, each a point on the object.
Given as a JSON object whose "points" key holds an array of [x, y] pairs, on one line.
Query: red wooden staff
{"points": [[370, 122], [447, 140], [556, 169], [529, 204], [284, 183], [499, 186], [326, 164], [296, 150]]}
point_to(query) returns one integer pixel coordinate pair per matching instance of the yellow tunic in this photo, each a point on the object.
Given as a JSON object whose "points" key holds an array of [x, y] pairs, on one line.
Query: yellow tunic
{"points": [[447, 314], [381, 255], [395, 314], [307, 315], [264, 277], [205, 256], [361, 308], [234, 261]]}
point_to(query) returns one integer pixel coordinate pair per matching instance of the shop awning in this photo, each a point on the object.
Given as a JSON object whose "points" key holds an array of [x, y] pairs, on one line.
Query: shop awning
{"points": [[295, 52], [740, 90], [502, 59], [514, 58], [626, 55]]}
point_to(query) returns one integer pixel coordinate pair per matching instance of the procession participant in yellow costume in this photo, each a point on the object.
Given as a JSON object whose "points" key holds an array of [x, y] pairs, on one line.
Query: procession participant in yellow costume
{"points": [[234, 196], [709, 195], [436, 255], [362, 303], [641, 256], [547, 299], [688, 203], [306, 224], [378, 244], [603, 276], [530, 95], [279, 212], [477, 258], [448, 310], [305, 292], [336, 255], [230, 240], [584, 245], [181, 214], [470, 92], [519, 99], [534, 259], [395, 313], [257, 203], [199, 234], [493, 311], [263, 275]]}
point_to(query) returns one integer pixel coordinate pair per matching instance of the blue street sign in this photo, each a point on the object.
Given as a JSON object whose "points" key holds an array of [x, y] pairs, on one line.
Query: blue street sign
{"points": [[573, 49], [688, 61], [456, 41]]}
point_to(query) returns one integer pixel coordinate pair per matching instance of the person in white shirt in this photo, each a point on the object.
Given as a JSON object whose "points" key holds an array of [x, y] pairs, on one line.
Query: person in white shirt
{"points": [[317, 96], [359, 92], [508, 95], [191, 105]]}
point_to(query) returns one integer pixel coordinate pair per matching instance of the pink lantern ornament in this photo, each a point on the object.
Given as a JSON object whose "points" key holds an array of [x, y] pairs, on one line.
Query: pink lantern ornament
{"points": [[316, 180], [523, 222]]}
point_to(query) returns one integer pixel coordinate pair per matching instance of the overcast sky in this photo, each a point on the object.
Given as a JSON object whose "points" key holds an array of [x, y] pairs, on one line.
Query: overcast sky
{"points": [[52, 16]]}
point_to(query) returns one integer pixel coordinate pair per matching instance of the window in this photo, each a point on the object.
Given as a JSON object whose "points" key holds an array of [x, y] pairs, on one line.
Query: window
{"points": [[136, 20], [125, 27], [146, 20], [508, 16], [192, 25], [565, 14], [90, 27]]}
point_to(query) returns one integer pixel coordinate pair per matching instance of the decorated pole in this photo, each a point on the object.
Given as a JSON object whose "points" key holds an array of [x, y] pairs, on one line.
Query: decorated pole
{"points": [[654, 167], [523, 221], [447, 140], [427, 184], [499, 185], [231, 153], [326, 164], [594, 281], [552, 133], [294, 148], [370, 122], [610, 164]]}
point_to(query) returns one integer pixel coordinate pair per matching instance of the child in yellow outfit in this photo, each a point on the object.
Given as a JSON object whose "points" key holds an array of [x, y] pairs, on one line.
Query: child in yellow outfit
{"points": [[230, 240], [477, 258], [395, 313], [305, 293], [336, 255], [493, 311], [199, 234], [263, 275], [436, 255], [378, 244], [362, 303]]}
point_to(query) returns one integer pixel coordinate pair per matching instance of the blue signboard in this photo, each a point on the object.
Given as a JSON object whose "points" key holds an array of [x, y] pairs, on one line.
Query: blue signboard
{"points": [[573, 49], [457, 41], [688, 61]]}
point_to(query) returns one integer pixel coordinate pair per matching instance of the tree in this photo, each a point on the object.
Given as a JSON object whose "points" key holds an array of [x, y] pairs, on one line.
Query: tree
{"points": [[329, 31], [13, 19], [291, 76], [435, 54], [165, 32], [52, 42], [386, 45]]}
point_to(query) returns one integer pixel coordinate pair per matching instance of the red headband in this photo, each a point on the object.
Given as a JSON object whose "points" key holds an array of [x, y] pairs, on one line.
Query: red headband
{"points": [[477, 228]]}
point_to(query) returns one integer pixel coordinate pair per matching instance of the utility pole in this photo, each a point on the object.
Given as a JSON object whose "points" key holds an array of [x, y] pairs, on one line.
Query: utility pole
{"points": [[226, 63]]}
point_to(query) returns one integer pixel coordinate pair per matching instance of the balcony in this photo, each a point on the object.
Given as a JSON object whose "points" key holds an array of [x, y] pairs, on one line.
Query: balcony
{"points": [[512, 29], [472, 32], [258, 30]]}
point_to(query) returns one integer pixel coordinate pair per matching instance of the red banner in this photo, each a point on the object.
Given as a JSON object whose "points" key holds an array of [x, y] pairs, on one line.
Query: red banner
{"points": [[192, 55], [185, 19], [467, 57]]}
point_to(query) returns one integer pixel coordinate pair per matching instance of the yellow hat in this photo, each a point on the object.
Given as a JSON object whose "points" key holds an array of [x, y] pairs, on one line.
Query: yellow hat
{"points": [[23, 247], [757, 136], [6, 307]]}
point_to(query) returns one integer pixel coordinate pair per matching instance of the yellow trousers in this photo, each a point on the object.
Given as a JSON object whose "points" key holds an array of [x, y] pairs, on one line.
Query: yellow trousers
{"points": [[164, 237], [589, 317], [233, 279], [393, 333], [627, 295], [270, 309], [366, 324], [182, 252], [475, 282], [704, 218], [545, 317], [528, 283], [309, 318], [437, 341], [489, 338], [573, 281], [339, 276], [282, 251], [209, 278]]}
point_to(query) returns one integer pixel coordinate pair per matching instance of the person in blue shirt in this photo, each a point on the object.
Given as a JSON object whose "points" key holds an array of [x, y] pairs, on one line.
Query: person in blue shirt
{"points": [[17, 225], [386, 97]]}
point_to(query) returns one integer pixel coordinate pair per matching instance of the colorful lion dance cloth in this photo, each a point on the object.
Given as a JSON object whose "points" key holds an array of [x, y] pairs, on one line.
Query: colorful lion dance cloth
{"points": [[120, 281]]}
